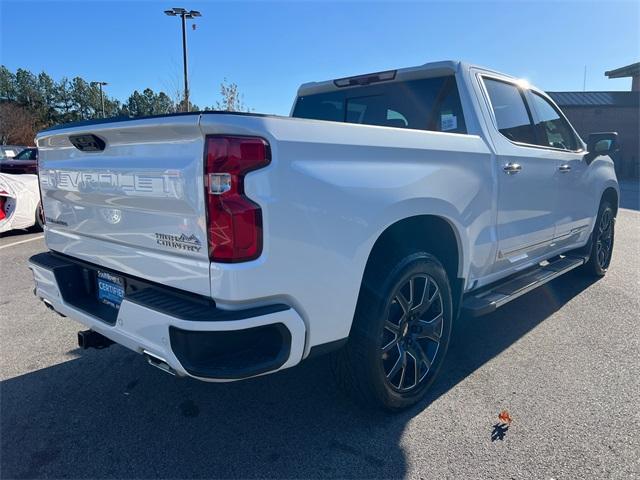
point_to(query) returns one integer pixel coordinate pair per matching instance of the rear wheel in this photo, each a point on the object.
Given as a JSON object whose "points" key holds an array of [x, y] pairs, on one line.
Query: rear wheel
{"points": [[601, 241], [400, 334]]}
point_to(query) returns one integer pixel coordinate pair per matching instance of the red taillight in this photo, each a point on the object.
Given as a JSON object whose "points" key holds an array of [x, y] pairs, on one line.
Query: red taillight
{"points": [[234, 221], [3, 215]]}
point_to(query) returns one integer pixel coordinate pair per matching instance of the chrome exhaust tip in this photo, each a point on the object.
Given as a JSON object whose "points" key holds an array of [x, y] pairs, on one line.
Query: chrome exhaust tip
{"points": [[50, 306], [158, 362]]}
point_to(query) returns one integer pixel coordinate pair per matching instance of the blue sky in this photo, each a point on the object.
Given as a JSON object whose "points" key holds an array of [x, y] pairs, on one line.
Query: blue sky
{"points": [[269, 48]]}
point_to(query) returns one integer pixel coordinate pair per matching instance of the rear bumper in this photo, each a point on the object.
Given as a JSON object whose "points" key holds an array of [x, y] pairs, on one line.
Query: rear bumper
{"points": [[187, 332]]}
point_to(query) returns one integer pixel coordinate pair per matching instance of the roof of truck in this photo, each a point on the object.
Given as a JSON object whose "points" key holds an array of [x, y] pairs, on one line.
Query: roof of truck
{"points": [[408, 73]]}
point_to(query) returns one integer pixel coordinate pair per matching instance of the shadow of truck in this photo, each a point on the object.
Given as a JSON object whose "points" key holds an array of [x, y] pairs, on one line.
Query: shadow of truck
{"points": [[108, 415]]}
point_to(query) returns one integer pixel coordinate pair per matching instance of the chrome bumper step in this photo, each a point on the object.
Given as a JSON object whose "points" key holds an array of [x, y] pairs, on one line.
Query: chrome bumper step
{"points": [[492, 297]]}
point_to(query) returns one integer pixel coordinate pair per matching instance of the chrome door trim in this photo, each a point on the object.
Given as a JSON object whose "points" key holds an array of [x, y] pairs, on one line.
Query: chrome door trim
{"points": [[525, 247], [550, 241]]}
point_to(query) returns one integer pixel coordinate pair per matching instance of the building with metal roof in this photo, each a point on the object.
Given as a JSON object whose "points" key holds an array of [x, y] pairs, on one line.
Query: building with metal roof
{"points": [[596, 99], [591, 112]]}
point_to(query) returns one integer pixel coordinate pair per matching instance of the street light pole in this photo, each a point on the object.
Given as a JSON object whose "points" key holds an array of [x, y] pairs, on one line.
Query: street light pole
{"points": [[184, 15], [184, 62], [101, 84]]}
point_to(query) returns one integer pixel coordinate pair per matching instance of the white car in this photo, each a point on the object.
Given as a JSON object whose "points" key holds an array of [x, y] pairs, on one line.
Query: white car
{"points": [[19, 202], [228, 245]]}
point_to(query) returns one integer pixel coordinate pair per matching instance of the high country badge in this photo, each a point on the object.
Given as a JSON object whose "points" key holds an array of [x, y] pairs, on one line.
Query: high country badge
{"points": [[190, 243]]}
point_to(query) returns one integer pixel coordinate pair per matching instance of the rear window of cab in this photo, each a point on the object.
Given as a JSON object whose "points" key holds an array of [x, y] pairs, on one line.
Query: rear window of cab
{"points": [[425, 104]]}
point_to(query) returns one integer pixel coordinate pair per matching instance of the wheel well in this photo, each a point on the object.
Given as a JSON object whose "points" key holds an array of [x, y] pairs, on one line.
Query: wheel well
{"points": [[426, 233], [611, 195]]}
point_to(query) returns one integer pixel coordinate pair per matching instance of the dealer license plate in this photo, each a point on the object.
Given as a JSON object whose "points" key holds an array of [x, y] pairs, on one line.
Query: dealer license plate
{"points": [[110, 289]]}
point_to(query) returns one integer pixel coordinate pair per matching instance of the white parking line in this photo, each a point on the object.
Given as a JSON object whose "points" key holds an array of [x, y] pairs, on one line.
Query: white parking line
{"points": [[22, 241]]}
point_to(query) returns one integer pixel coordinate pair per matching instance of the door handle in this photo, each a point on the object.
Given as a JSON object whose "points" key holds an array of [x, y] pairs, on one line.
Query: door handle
{"points": [[565, 168], [512, 168]]}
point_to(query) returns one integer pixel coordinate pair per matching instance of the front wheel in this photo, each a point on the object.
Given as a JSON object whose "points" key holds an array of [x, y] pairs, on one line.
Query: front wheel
{"points": [[400, 334], [601, 241]]}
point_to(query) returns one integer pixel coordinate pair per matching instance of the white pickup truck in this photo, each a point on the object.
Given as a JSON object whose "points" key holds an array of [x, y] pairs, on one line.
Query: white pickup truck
{"points": [[223, 245]]}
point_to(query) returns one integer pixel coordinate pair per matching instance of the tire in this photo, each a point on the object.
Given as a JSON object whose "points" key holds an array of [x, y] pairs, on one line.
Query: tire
{"points": [[601, 242], [391, 357], [38, 226]]}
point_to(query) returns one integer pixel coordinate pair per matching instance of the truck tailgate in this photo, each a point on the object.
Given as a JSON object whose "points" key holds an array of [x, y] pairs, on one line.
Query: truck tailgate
{"points": [[137, 205]]}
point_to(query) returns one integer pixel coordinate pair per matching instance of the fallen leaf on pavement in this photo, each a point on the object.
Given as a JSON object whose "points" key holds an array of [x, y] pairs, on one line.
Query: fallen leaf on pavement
{"points": [[504, 417]]}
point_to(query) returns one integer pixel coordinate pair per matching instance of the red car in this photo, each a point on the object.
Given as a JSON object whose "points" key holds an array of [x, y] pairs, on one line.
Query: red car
{"points": [[25, 162]]}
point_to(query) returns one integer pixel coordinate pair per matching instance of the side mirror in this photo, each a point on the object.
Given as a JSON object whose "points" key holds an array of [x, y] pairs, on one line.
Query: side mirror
{"points": [[600, 144]]}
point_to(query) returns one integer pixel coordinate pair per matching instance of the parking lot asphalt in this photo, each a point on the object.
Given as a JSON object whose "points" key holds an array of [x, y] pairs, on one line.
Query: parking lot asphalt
{"points": [[563, 360]]}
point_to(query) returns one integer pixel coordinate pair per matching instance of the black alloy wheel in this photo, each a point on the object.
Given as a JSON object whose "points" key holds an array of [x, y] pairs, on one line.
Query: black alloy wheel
{"points": [[601, 244], [604, 239], [412, 333], [400, 333]]}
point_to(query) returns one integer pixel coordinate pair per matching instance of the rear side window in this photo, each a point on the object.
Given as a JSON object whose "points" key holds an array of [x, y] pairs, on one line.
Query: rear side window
{"points": [[553, 130], [510, 110], [425, 104]]}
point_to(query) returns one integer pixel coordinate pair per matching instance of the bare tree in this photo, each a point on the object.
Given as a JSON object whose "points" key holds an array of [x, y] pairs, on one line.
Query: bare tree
{"points": [[173, 86], [18, 126], [232, 99], [175, 89]]}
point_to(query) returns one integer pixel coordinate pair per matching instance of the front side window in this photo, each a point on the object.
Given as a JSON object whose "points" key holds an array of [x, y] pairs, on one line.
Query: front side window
{"points": [[553, 130], [424, 104], [512, 117]]}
